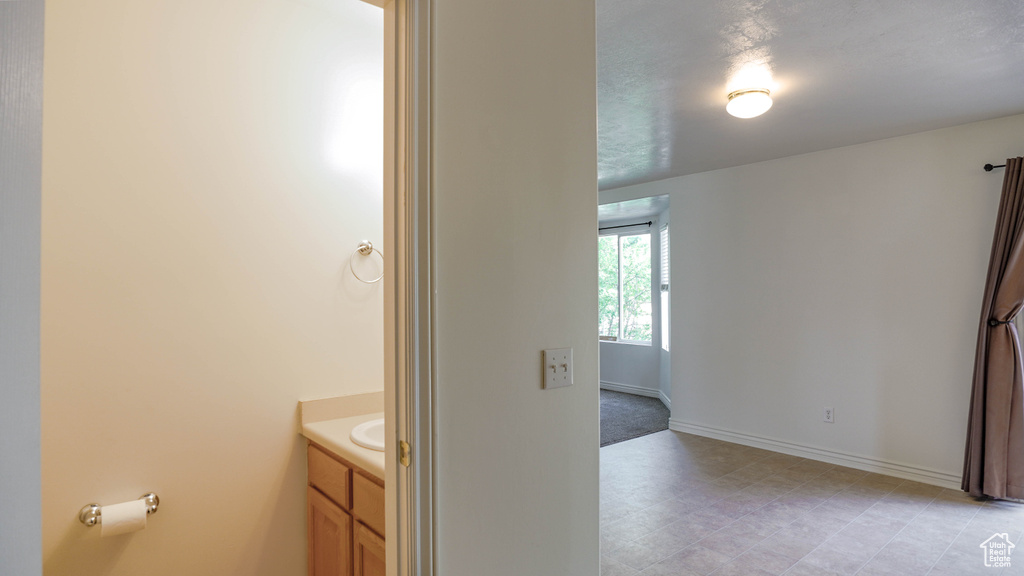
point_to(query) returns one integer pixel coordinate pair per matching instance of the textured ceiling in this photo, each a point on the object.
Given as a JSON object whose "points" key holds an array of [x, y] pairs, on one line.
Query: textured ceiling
{"points": [[843, 72]]}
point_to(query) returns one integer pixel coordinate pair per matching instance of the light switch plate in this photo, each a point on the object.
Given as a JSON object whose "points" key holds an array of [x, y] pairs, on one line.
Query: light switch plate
{"points": [[558, 368]]}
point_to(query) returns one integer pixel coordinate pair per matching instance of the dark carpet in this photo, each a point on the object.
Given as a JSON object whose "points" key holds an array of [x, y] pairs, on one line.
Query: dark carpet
{"points": [[627, 416]]}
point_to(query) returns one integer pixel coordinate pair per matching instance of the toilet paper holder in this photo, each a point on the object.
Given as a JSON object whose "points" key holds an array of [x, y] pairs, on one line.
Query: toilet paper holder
{"points": [[92, 514]]}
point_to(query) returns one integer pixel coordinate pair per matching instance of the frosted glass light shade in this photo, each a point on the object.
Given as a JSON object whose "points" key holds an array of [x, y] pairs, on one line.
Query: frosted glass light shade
{"points": [[749, 103]]}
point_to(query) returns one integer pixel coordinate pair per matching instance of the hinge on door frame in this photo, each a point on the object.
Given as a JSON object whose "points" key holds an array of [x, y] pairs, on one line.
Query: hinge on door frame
{"points": [[404, 453]]}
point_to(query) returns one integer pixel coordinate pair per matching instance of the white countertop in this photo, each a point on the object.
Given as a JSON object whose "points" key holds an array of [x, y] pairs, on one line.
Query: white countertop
{"points": [[334, 436]]}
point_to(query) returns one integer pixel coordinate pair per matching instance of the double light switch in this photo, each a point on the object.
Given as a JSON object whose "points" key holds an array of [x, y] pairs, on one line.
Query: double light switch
{"points": [[558, 368]]}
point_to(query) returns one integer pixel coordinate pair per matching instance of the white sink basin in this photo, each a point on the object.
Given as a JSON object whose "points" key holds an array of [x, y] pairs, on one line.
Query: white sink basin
{"points": [[369, 435]]}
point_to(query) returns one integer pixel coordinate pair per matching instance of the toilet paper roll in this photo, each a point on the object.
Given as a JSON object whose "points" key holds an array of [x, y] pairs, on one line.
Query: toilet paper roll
{"points": [[123, 518]]}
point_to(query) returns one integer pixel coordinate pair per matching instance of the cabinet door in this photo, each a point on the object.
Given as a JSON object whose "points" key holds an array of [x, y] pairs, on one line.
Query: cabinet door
{"points": [[369, 552], [330, 536]]}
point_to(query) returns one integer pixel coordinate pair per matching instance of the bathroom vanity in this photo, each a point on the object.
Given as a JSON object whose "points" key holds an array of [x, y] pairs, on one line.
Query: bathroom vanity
{"points": [[345, 516], [345, 500]]}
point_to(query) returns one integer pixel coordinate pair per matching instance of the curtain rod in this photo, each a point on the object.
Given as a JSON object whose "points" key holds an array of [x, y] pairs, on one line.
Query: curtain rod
{"points": [[648, 223], [989, 167]]}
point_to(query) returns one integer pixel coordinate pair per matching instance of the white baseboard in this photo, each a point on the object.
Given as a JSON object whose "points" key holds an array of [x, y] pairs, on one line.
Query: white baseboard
{"points": [[665, 400], [899, 470], [630, 389], [638, 391]]}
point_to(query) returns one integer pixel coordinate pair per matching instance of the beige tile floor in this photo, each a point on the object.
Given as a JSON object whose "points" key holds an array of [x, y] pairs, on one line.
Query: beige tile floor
{"points": [[674, 504]]}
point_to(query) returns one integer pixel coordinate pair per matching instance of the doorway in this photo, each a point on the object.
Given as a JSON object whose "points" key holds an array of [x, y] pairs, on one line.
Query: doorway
{"points": [[633, 323]]}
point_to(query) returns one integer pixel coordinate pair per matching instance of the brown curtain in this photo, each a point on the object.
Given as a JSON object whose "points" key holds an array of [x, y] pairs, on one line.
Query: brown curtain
{"points": [[994, 463]]}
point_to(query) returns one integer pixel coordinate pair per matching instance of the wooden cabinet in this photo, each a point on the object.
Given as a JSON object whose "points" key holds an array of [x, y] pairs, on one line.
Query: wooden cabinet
{"points": [[330, 476], [345, 517], [368, 502], [368, 552], [330, 536]]}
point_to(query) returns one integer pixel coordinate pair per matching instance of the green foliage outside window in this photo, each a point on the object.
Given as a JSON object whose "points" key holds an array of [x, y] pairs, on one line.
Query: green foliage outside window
{"points": [[608, 285], [625, 315]]}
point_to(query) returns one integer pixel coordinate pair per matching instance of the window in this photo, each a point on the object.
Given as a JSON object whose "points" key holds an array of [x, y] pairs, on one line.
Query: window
{"points": [[608, 287], [664, 288], [624, 287]]}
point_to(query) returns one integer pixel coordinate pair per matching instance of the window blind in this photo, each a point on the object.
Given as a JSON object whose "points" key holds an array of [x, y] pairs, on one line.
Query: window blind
{"points": [[664, 257]]}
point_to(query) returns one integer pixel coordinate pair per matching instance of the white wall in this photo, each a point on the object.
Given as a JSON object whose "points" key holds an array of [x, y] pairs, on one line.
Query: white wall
{"points": [[21, 84], [631, 368], [203, 189], [514, 162], [849, 278]]}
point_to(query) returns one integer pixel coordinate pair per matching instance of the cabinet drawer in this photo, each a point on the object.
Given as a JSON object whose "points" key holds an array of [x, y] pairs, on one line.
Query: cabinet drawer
{"points": [[329, 476], [368, 502]]}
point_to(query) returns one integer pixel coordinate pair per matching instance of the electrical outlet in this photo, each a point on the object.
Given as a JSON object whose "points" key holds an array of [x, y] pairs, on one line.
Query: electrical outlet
{"points": [[830, 416], [558, 368]]}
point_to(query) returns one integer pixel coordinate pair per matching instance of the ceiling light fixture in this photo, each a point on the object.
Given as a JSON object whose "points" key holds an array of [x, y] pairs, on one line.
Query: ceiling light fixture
{"points": [[749, 102]]}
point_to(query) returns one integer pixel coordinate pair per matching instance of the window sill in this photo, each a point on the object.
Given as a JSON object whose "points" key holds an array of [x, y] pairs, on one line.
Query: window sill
{"points": [[627, 342]]}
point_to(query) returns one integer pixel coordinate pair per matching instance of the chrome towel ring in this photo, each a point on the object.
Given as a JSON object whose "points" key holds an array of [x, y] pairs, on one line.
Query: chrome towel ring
{"points": [[365, 249]]}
